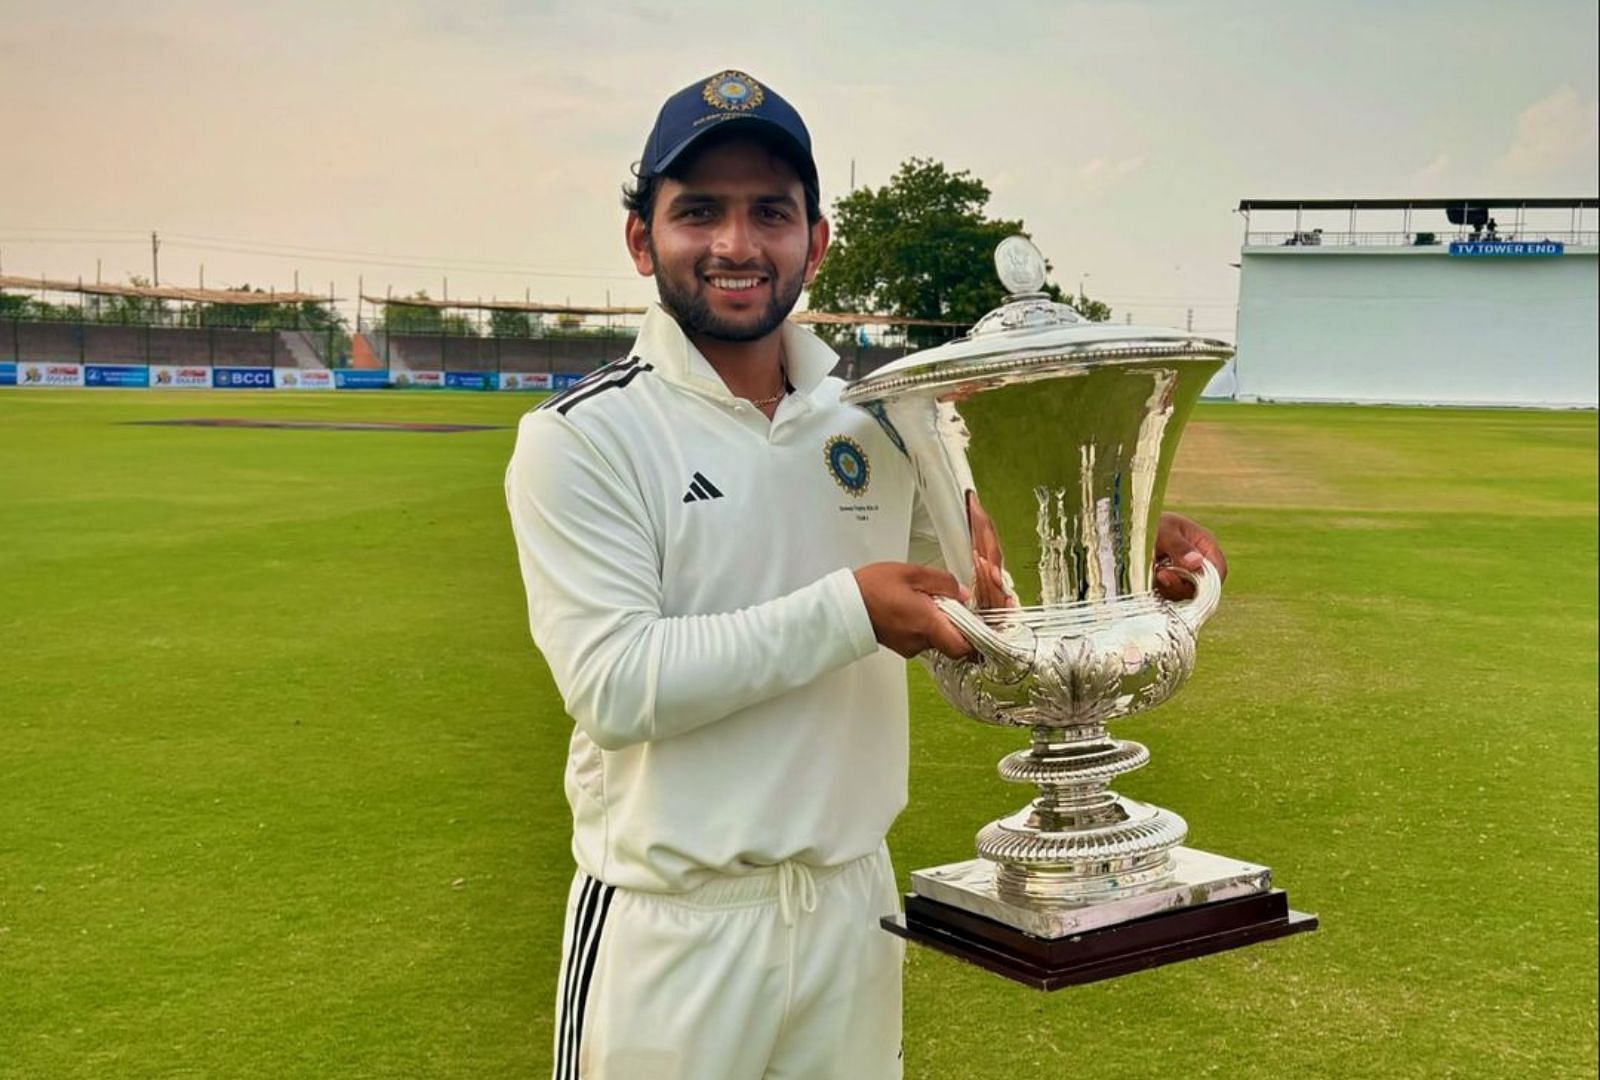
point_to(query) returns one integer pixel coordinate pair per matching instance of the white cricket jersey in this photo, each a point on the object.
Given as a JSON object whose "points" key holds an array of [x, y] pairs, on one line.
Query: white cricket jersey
{"points": [[688, 568]]}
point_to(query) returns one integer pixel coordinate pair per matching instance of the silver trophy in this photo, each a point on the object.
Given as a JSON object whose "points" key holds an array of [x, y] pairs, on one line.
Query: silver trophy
{"points": [[1041, 444]]}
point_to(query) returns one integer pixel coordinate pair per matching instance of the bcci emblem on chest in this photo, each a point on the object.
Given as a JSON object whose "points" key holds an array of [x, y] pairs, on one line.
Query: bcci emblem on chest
{"points": [[847, 462]]}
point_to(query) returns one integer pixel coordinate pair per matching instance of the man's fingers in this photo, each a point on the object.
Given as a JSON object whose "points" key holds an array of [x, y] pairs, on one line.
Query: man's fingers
{"points": [[1187, 543], [1173, 586], [1173, 542], [943, 635], [1213, 551], [935, 582]]}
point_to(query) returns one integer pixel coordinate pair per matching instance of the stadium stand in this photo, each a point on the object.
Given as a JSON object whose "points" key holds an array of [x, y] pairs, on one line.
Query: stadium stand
{"points": [[407, 352], [137, 324], [467, 354], [113, 344], [140, 324], [43, 342], [302, 349]]}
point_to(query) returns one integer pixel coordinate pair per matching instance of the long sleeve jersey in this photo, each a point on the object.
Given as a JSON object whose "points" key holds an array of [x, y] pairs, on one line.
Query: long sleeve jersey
{"points": [[688, 569]]}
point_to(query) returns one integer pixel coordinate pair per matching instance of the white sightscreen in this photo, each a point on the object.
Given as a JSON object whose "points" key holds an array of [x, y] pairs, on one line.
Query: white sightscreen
{"points": [[1402, 326]]}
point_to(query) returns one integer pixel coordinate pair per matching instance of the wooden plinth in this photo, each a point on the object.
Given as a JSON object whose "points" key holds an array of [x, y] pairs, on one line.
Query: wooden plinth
{"points": [[1098, 954]]}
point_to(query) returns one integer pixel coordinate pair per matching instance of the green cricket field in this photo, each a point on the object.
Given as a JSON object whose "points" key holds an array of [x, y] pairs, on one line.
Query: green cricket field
{"points": [[280, 769]]}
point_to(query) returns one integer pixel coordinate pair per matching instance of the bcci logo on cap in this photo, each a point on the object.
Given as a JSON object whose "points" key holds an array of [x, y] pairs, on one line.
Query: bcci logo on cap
{"points": [[848, 463], [733, 91]]}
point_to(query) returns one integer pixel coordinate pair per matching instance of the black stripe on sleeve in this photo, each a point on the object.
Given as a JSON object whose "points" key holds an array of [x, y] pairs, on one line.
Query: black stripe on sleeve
{"points": [[599, 374], [579, 396]]}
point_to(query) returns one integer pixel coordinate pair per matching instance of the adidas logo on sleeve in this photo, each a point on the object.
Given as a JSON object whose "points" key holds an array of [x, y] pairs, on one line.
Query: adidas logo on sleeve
{"points": [[701, 489]]}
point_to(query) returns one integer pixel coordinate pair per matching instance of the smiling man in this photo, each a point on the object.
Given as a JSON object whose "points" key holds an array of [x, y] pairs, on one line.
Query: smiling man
{"points": [[724, 568]]}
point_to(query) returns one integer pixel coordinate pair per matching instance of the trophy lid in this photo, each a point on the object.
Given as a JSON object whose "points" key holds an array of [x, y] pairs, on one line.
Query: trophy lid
{"points": [[1029, 333]]}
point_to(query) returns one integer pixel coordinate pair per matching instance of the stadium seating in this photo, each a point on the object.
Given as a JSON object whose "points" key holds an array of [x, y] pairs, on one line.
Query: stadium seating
{"points": [[234, 348], [524, 354], [302, 349], [407, 352], [113, 344], [468, 354], [40, 342]]}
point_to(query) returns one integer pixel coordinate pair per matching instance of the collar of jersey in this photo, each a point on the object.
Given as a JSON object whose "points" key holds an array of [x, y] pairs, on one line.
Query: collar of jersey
{"points": [[662, 343]]}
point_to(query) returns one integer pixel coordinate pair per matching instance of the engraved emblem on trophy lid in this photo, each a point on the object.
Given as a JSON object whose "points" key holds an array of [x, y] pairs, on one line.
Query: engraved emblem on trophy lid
{"points": [[733, 91], [848, 463], [1020, 266]]}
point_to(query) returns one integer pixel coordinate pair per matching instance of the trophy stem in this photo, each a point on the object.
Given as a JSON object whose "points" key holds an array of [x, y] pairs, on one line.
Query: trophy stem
{"points": [[1079, 841]]}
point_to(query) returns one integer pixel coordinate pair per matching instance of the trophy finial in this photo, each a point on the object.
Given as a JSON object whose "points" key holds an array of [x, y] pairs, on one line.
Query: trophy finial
{"points": [[1020, 266]]}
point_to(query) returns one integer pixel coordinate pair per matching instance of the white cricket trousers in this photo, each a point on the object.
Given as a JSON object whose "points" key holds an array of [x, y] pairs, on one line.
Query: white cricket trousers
{"points": [[782, 974]]}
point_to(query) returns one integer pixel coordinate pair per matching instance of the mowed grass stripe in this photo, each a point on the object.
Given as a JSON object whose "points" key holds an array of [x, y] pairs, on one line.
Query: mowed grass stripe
{"points": [[280, 771]]}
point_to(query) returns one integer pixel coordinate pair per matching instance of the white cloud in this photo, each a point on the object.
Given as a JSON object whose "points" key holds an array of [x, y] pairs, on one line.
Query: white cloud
{"points": [[1102, 169], [1432, 176], [1555, 137]]}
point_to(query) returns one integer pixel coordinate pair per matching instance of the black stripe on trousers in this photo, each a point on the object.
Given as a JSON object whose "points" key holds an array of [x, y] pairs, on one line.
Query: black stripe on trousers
{"points": [[582, 913], [587, 925]]}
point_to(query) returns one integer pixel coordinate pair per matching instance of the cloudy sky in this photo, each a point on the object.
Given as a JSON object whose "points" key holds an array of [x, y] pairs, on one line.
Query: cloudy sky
{"points": [[410, 141]]}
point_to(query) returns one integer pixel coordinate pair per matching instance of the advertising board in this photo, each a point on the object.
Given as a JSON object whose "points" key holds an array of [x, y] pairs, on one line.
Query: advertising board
{"points": [[417, 380], [37, 374], [8, 373], [302, 379], [241, 378], [469, 380], [361, 379], [124, 375], [180, 377], [518, 380]]}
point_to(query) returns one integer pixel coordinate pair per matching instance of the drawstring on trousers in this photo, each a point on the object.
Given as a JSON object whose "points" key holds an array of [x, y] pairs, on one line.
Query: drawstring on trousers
{"points": [[797, 891]]}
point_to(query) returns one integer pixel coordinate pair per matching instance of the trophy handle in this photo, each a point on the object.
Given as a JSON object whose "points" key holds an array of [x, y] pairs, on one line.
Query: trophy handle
{"points": [[1207, 595], [994, 647]]}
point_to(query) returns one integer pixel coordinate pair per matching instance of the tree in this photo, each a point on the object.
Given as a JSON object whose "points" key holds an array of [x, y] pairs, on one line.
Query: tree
{"points": [[506, 323], [132, 310], [1093, 310], [399, 317], [921, 247], [27, 309]]}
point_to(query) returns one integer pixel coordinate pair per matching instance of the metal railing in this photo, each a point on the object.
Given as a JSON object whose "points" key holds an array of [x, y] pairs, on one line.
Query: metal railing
{"points": [[1415, 238]]}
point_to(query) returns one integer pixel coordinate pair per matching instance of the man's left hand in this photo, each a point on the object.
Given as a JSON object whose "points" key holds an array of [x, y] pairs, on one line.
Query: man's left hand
{"points": [[1184, 543]]}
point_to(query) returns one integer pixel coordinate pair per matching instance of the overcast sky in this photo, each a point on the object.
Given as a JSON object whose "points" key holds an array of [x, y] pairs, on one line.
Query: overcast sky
{"points": [[411, 140]]}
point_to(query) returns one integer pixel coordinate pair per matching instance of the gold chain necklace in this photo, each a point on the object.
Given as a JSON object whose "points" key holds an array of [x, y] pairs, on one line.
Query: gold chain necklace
{"points": [[783, 392]]}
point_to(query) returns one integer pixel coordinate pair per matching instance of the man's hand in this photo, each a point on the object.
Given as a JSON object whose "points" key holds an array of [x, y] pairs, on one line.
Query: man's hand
{"points": [[899, 599], [1184, 543]]}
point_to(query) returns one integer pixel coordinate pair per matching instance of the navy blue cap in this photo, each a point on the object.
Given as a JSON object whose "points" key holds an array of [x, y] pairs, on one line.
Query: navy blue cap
{"points": [[728, 97]]}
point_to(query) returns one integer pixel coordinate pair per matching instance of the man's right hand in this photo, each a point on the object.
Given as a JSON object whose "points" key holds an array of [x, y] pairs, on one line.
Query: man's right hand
{"points": [[899, 599]]}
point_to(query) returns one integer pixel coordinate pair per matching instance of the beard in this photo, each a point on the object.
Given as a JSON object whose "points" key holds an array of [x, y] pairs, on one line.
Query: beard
{"points": [[687, 302]]}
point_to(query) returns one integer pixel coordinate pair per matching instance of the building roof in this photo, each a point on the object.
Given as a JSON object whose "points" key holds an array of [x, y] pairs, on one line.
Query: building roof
{"points": [[852, 318], [534, 307], [163, 292], [1587, 203]]}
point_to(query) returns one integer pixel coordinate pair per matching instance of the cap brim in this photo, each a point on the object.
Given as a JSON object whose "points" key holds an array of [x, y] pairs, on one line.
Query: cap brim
{"points": [[768, 130]]}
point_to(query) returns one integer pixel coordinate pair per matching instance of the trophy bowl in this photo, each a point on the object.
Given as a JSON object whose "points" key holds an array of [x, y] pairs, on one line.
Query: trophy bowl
{"points": [[1041, 444]]}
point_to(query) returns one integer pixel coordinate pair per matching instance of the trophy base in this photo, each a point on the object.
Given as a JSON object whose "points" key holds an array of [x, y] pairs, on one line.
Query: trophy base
{"points": [[1212, 904]]}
